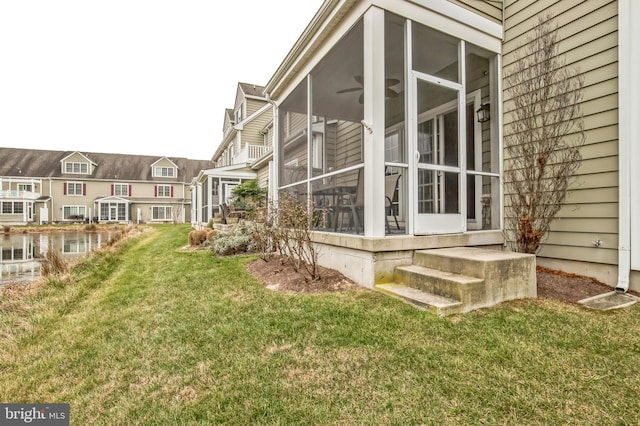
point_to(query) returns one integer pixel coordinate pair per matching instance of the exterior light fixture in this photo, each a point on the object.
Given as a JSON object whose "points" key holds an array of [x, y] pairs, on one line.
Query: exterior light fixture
{"points": [[483, 113]]}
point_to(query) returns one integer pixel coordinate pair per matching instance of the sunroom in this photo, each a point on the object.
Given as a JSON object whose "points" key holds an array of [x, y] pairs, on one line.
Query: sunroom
{"points": [[388, 126]]}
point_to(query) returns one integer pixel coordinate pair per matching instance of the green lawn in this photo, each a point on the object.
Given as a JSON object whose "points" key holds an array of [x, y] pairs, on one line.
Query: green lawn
{"points": [[153, 335]]}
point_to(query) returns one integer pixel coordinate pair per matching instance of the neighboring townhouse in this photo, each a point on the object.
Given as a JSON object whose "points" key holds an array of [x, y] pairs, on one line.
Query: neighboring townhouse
{"points": [[362, 96], [39, 186], [243, 154]]}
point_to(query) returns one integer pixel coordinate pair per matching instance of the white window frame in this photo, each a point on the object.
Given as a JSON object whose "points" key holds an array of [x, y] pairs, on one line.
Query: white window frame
{"points": [[13, 205], [162, 189], [28, 187], [76, 168], [118, 187], [74, 185], [238, 114], [67, 210], [164, 171], [167, 212]]}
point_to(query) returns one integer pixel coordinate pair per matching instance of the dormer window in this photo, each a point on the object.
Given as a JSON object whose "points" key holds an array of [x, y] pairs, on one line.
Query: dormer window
{"points": [[76, 168], [239, 114], [160, 171]]}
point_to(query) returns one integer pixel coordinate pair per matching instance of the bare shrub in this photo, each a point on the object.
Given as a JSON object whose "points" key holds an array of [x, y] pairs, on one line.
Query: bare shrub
{"points": [[543, 140], [262, 230], [292, 235], [282, 228], [92, 227], [54, 263], [6, 229]]}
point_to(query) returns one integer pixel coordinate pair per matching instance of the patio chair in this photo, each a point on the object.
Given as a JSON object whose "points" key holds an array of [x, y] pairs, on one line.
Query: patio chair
{"points": [[351, 203], [390, 184]]}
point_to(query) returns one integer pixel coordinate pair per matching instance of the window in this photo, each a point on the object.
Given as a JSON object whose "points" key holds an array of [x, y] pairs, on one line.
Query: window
{"points": [[164, 191], [25, 187], [113, 211], [161, 213], [12, 207], [74, 212], [160, 171], [121, 190], [77, 168], [74, 188], [238, 115]]}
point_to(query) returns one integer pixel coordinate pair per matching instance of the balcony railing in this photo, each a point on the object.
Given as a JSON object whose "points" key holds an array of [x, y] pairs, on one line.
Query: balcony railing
{"points": [[249, 153], [19, 195]]}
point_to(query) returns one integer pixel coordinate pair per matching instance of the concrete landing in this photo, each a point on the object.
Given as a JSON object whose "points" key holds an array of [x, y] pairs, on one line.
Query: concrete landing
{"points": [[609, 301]]}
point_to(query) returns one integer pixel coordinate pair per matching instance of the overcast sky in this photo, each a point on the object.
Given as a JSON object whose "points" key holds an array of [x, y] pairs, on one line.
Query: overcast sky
{"points": [[135, 76]]}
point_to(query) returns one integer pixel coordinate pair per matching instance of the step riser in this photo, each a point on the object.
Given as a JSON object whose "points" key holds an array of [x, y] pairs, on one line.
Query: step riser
{"points": [[437, 310], [448, 264], [467, 292]]}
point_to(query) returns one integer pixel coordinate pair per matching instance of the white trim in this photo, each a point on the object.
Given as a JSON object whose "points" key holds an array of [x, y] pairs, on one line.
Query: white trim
{"points": [[374, 113], [462, 15], [165, 213], [164, 158], [449, 18], [81, 154], [628, 106], [74, 183], [164, 188]]}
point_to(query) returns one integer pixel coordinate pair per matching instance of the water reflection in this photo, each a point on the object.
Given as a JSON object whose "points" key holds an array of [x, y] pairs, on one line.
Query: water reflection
{"points": [[21, 254]]}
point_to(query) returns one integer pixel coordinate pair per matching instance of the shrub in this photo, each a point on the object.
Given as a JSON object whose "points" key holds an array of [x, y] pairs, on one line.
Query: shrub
{"points": [[91, 227], [248, 196], [235, 240], [199, 237], [6, 229], [54, 263]]}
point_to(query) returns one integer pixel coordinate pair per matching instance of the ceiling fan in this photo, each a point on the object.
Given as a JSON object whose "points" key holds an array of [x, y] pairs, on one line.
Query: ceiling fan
{"points": [[389, 93]]}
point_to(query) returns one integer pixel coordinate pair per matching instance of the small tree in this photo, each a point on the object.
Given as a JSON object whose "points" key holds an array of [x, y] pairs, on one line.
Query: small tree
{"points": [[543, 138], [249, 195]]}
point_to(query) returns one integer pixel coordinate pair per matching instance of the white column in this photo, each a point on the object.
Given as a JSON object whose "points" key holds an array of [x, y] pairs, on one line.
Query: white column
{"points": [[374, 126]]}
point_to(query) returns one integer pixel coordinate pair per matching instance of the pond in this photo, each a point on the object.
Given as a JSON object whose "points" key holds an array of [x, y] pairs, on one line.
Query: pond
{"points": [[21, 254]]}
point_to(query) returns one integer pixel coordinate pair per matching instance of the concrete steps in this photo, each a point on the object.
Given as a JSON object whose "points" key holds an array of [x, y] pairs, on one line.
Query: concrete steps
{"points": [[461, 279], [438, 305]]}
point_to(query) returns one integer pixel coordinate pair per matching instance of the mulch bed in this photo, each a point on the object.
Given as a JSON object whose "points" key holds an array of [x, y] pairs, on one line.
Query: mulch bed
{"points": [[278, 275]]}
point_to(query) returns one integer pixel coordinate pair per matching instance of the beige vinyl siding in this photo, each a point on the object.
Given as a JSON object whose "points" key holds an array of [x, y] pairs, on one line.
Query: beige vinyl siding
{"points": [[348, 150], [262, 176], [488, 9], [588, 33], [253, 105], [251, 132]]}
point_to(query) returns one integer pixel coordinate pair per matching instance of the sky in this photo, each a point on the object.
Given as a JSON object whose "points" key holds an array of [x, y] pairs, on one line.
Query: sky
{"points": [[150, 77]]}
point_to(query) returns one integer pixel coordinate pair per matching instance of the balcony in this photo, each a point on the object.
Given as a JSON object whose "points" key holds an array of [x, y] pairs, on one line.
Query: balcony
{"points": [[19, 195], [249, 153]]}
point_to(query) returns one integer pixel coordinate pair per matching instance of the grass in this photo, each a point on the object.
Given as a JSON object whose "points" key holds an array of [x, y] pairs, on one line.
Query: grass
{"points": [[148, 334]]}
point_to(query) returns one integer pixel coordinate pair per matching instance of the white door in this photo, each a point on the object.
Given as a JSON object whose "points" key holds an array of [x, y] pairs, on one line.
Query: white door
{"points": [[44, 215], [437, 139]]}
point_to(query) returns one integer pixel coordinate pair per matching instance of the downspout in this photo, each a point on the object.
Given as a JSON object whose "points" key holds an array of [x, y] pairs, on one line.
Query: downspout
{"points": [[274, 182], [624, 146]]}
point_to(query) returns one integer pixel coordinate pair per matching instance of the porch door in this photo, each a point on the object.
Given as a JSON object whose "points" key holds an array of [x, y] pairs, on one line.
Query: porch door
{"points": [[438, 167], [113, 212]]}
